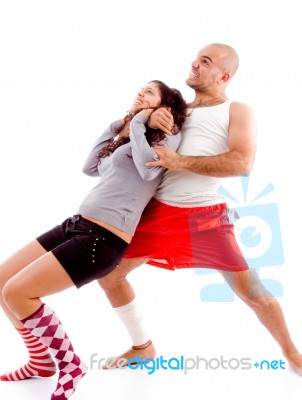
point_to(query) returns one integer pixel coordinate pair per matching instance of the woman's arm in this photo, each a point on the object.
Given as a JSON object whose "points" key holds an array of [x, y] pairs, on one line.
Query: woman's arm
{"points": [[142, 152], [90, 166]]}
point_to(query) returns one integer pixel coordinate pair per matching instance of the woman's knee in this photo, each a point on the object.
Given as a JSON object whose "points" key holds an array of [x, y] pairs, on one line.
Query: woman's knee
{"points": [[11, 294], [4, 277]]}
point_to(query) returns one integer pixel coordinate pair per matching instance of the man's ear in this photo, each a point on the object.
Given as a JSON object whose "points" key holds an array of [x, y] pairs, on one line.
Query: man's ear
{"points": [[225, 77]]}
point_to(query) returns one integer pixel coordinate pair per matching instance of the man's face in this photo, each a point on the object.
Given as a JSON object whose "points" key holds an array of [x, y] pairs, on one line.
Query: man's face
{"points": [[205, 70]]}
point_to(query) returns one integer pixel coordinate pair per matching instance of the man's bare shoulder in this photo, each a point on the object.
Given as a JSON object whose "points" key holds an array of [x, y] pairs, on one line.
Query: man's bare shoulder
{"points": [[240, 110], [238, 106]]}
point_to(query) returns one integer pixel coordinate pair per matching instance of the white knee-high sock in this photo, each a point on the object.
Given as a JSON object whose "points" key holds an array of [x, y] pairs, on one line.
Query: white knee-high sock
{"points": [[131, 317]]}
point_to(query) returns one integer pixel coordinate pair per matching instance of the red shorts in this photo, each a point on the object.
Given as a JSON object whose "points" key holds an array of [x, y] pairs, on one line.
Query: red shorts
{"points": [[174, 237]]}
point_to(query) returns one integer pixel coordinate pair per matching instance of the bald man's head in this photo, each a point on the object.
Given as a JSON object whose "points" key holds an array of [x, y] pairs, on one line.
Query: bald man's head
{"points": [[227, 57]]}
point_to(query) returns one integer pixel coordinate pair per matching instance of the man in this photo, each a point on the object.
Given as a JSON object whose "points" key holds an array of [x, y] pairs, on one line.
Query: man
{"points": [[186, 225]]}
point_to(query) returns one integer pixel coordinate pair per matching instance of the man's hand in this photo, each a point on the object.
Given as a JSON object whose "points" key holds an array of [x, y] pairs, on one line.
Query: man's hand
{"points": [[162, 119], [167, 159]]}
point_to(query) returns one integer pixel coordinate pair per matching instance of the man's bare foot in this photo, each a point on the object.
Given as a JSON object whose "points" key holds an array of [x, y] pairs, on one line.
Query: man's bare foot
{"points": [[295, 361], [142, 352]]}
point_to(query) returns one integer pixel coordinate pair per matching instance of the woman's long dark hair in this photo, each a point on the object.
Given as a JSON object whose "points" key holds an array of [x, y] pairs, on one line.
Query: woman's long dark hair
{"points": [[170, 98]]}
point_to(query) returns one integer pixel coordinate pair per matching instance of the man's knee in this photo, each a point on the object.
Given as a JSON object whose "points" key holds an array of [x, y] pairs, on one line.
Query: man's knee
{"points": [[249, 288], [111, 280], [119, 274], [253, 292]]}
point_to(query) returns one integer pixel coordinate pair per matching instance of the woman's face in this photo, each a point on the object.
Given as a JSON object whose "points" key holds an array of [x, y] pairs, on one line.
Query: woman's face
{"points": [[147, 97]]}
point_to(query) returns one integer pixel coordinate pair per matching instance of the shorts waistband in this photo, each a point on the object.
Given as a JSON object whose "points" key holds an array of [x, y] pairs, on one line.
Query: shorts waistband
{"points": [[193, 208], [98, 230]]}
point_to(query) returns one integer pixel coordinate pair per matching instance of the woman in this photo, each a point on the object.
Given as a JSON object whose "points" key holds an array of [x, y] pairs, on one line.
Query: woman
{"points": [[90, 244]]}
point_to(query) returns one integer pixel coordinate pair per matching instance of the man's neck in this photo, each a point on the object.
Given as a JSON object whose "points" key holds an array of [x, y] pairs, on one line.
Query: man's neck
{"points": [[207, 100]]}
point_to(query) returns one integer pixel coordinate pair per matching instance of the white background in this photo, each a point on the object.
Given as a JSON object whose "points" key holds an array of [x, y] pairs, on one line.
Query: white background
{"points": [[69, 67]]}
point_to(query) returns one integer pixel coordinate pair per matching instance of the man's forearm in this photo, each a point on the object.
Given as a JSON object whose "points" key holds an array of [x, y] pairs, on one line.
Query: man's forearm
{"points": [[222, 165], [231, 163]]}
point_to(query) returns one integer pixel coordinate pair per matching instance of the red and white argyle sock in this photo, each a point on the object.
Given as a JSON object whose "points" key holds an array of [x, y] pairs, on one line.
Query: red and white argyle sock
{"points": [[45, 325], [40, 363]]}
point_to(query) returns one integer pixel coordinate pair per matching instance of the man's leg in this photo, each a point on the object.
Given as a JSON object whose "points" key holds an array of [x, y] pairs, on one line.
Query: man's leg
{"points": [[249, 288], [122, 298]]}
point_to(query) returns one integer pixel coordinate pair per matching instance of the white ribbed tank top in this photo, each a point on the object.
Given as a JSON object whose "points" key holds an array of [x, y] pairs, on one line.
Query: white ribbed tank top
{"points": [[204, 133]]}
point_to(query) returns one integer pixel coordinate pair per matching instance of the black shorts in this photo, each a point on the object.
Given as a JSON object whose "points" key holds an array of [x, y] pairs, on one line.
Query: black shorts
{"points": [[85, 250]]}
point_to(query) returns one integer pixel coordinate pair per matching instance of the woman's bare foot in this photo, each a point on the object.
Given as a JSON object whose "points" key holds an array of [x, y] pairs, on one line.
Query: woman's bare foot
{"points": [[144, 351]]}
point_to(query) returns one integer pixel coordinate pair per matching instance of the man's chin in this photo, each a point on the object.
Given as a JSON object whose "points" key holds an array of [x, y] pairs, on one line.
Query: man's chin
{"points": [[190, 83]]}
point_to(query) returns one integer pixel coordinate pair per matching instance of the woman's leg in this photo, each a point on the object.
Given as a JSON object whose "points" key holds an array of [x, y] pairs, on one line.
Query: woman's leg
{"points": [[42, 277], [21, 295], [40, 361], [12, 266]]}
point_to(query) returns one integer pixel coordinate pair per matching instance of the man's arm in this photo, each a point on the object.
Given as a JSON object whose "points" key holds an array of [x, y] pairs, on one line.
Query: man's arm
{"points": [[162, 119], [141, 149], [237, 161]]}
